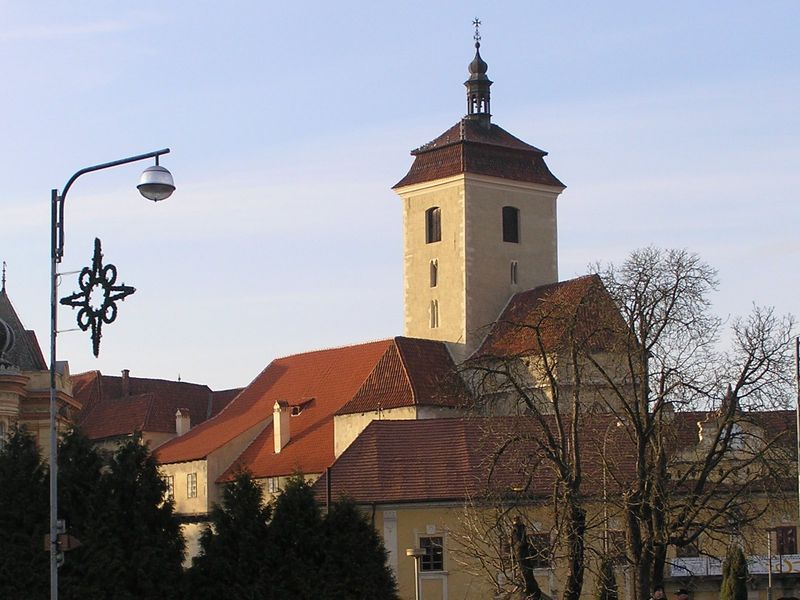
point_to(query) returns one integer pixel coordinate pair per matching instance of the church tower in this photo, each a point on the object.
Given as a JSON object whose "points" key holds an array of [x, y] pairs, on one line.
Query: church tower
{"points": [[479, 224]]}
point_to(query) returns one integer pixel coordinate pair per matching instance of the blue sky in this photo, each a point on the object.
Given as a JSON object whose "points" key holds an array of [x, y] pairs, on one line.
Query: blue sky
{"points": [[672, 124]]}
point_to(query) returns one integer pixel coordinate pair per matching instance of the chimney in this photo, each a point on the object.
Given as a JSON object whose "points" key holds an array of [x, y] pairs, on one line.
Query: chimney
{"points": [[183, 421], [281, 413], [126, 383]]}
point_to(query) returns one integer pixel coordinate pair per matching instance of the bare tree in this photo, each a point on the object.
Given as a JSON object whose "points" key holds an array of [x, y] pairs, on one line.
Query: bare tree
{"points": [[672, 383]]}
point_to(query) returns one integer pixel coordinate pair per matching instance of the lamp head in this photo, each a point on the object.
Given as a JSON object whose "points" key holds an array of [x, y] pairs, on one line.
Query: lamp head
{"points": [[156, 183]]}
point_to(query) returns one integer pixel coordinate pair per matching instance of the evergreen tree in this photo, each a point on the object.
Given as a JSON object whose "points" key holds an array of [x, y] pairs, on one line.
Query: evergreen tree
{"points": [[80, 504], [734, 576], [24, 501], [232, 549], [355, 564], [606, 581], [134, 548], [295, 551]]}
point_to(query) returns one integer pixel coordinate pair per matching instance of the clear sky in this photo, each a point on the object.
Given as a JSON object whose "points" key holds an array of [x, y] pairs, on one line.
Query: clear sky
{"points": [[672, 124]]}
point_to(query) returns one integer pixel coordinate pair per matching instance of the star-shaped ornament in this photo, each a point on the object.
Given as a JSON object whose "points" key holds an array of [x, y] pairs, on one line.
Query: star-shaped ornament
{"points": [[97, 300]]}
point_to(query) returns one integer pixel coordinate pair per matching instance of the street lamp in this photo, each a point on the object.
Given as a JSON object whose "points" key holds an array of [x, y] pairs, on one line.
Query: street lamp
{"points": [[155, 184], [417, 553]]}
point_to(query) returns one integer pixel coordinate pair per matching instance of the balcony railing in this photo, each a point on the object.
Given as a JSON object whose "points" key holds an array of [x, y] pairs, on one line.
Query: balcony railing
{"points": [[699, 566]]}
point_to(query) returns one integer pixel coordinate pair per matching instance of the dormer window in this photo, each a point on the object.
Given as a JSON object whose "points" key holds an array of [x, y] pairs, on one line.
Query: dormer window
{"points": [[511, 224], [433, 225]]}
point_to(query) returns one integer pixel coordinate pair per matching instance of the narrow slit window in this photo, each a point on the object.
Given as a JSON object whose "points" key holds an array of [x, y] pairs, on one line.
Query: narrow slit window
{"points": [[434, 273], [511, 224], [433, 225], [434, 314], [513, 272]]}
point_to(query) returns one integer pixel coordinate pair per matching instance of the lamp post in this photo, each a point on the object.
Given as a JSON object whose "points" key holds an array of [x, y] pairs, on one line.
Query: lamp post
{"points": [[417, 554], [155, 184]]}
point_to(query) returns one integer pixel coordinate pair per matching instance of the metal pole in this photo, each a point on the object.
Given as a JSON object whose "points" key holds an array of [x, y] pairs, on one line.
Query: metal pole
{"points": [[53, 404], [769, 564], [797, 411], [56, 254], [417, 586]]}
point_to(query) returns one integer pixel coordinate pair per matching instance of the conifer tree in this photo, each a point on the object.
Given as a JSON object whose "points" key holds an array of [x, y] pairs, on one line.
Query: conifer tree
{"points": [[232, 548], [24, 571], [355, 563], [734, 576], [134, 548], [296, 551]]}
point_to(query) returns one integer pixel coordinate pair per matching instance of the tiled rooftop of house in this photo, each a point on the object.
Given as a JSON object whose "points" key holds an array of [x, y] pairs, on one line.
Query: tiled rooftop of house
{"points": [[455, 459], [327, 378], [548, 317], [468, 147], [115, 406]]}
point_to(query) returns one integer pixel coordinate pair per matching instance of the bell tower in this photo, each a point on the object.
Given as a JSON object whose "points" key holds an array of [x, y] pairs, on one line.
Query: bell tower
{"points": [[479, 223]]}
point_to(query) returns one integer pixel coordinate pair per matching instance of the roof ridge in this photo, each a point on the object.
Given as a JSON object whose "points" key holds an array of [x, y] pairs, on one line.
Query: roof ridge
{"points": [[332, 349], [409, 379]]}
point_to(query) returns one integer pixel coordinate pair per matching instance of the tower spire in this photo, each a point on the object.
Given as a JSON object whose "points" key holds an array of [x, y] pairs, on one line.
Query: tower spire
{"points": [[3, 289], [478, 84]]}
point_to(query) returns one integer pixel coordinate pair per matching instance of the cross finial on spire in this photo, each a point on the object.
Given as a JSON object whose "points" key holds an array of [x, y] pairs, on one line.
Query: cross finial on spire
{"points": [[477, 37]]}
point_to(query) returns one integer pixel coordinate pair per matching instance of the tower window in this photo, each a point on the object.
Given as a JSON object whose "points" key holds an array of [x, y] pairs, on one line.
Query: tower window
{"points": [[513, 272], [434, 314], [434, 273], [433, 225], [511, 224]]}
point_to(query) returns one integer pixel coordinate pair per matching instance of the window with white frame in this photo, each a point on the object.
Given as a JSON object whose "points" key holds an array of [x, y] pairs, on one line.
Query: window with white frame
{"points": [[273, 485], [169, 482], [191, 485], [433, 559]]}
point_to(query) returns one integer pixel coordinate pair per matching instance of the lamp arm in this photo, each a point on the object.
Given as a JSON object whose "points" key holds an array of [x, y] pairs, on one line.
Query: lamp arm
{"points": [[58, 219]]}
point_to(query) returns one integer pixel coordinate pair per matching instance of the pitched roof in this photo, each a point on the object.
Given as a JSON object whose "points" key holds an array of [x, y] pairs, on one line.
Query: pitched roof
{"points": [[148, 405], [412, 372], [26, 353], [469, 147], [546, 317], [451, 459], [454, 459], [329, 377]]}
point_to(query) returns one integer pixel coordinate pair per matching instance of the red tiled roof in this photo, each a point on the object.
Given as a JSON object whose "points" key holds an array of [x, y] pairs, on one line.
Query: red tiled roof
{"points": [[412, 372], [469, 147], [453, 459], [331, 377], [441, 460], [150, 405], [544, 318]]}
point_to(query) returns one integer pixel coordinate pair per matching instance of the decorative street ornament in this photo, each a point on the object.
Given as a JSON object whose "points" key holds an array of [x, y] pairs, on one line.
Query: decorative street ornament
{"points": [[98, 297]]}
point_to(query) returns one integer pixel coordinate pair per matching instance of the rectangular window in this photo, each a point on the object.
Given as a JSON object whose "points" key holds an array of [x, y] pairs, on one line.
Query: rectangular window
{"points": [[616, 545], [434, 554], [273, 486], [786, 540], [511, 224], [540, 549], [191, 485], [434, 314], [434, 273], [169, 481], [433, 225]]}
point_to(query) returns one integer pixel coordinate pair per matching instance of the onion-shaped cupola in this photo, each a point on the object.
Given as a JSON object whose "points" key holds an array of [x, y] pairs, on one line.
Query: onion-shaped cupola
{"points": [[478, 85]]}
